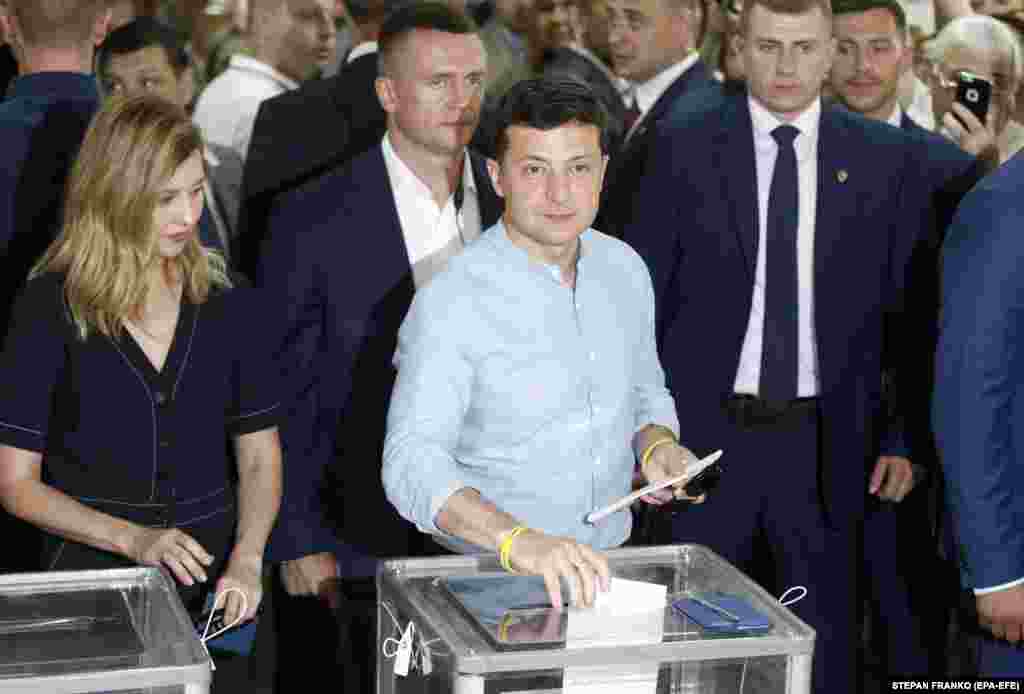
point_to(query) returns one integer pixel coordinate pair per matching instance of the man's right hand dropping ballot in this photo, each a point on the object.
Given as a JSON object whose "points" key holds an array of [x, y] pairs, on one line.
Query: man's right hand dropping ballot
{"points": [[584, 569]]}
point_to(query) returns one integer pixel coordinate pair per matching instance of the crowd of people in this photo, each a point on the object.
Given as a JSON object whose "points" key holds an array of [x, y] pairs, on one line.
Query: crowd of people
{"points": [[290, 287]]}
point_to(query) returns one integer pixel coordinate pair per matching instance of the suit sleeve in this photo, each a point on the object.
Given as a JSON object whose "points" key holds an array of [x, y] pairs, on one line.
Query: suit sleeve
{"points": [[293, 281], [653, 217], [979, 378]]}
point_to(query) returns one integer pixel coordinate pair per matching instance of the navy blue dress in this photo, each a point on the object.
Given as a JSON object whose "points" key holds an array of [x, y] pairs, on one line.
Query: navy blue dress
{"points": [[119, 436]]}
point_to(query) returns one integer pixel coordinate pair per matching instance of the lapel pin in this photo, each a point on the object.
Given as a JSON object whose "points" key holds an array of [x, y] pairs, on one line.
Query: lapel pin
{"points": [[842, 175]]}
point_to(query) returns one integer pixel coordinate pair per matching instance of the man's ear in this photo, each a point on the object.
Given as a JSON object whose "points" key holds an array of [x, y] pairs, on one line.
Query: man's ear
{"points": [[102, 27], [494, 169], [187, 86], [385, 88]]}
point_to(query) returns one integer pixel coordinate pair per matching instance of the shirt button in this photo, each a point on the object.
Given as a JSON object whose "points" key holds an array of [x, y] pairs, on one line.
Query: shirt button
{"points": [[597, 461], [593, 356], [160, 398], [162, 476], [165, 443]]}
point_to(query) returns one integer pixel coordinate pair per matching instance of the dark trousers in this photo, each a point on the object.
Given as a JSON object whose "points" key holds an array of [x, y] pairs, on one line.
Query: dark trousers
{"points": [[766, 519], [909, 594], [318, 644]]}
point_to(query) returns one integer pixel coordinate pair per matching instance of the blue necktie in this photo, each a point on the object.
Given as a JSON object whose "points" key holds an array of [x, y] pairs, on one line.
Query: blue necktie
{"points": [[780, 350]]}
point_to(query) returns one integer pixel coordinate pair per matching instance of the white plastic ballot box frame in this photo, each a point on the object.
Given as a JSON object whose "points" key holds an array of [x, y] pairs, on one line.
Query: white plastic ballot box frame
{"points": [[463, 660], [172, 658]]}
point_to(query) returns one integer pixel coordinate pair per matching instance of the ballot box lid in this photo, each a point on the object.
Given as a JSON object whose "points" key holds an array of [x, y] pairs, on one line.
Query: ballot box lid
{"points": [[89, 631], [491, 621]]}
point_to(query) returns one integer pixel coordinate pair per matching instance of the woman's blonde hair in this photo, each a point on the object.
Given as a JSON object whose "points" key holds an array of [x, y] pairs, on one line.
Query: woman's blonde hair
{"points": [[108, 244]]}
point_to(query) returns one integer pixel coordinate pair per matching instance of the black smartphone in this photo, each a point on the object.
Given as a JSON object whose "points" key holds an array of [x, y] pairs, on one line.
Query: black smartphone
{"points": [[974, 93], [705, 482]]}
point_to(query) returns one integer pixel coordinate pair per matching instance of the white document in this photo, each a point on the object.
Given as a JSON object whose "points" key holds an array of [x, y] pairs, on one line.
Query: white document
{"points": [[630, 613]]}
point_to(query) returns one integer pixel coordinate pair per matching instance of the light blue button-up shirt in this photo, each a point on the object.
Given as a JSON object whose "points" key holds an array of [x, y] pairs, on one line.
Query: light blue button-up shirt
{"points": [[529, 391]]}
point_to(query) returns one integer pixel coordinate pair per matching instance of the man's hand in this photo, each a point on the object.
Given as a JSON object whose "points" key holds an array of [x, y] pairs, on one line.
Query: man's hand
{"points": [[973, 136], [1002, 613], [666, 461], [314, 574], [534, 552], [892, 479]]}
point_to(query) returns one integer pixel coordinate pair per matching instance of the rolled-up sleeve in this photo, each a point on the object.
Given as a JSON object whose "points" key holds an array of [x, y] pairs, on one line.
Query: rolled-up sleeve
{"points": [[652, 401], [428, 404], [31, 361]]}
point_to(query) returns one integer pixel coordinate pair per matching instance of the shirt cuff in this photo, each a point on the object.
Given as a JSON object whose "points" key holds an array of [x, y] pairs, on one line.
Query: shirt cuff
{"points": [[996, 589], [436, 504]]}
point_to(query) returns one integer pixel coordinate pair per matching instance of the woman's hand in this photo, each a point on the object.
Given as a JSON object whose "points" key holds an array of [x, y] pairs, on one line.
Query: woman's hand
{"points": [[244, 572], [172, 548]]}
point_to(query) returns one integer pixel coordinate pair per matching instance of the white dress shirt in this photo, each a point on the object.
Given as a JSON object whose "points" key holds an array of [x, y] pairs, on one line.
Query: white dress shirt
{"points": [[766, 151], [432, 234], [647, 93], [226, 112], [361, 49]]}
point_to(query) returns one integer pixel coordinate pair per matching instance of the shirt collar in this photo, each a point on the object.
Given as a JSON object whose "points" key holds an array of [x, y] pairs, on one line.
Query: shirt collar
{"points": [[64, 85], [404, 179], [764, 122], [647, 93], [364, 48], [896, 118], [509, 250], [250, 64]]}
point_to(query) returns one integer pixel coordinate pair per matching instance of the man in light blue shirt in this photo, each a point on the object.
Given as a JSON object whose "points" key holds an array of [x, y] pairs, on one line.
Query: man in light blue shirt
{"points": [[528, 378]]}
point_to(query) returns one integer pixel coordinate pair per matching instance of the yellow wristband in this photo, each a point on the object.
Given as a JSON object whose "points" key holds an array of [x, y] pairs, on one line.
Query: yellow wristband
{"points": [[505, 549], [646, 457]]}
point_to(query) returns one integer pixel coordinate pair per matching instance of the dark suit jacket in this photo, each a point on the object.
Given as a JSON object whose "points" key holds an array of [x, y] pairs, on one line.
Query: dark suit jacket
{"points": [[302, 134], [979, 380], [947, 173], [626, 167], [338, 276], [696, 225]]}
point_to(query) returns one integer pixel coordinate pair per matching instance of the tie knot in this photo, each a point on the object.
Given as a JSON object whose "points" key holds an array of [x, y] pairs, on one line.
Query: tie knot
{"points": [[785, 134]]}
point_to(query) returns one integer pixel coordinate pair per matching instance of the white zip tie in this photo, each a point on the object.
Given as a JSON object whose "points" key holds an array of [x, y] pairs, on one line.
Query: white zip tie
{"points": [[209, 620]]}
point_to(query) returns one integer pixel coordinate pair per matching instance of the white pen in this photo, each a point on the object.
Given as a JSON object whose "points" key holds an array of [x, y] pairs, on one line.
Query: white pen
{"points": [[692, 470]]}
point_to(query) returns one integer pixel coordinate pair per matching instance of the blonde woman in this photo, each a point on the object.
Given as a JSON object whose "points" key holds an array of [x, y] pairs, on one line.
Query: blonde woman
{"points": [[130, 361]]}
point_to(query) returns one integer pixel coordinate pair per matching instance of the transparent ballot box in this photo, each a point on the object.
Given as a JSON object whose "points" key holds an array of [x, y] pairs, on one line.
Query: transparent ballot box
{"points": [[118, 630], [476, 629]]}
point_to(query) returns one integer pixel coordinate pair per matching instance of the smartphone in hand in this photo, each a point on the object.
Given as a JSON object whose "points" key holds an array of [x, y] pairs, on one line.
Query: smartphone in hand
{"points": [[974, 92]]}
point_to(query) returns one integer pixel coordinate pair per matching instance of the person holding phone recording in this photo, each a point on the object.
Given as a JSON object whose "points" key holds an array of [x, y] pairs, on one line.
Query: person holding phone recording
{"points": [[131, 360], [970, 52]]}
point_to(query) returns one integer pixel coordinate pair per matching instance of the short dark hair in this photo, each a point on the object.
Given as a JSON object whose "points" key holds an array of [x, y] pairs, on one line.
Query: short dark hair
{"points": [[547, 103], [142, 33], [428, 16], [363, 11], [790, 7], [840, 7]]}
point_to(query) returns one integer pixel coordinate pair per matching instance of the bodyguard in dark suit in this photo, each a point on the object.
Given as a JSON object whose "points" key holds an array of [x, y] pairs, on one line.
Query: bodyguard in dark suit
{"points": [[900, 543], [302, 134], [344, 255], [653, 44], [777, 230]]}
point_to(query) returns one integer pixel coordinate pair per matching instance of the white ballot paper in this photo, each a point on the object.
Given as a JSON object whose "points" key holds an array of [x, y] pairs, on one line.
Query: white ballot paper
{"points": [[630, 613]]}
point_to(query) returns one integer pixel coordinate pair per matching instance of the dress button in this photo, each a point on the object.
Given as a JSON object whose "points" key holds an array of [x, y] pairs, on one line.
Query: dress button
{"points": [[160, 398]]}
